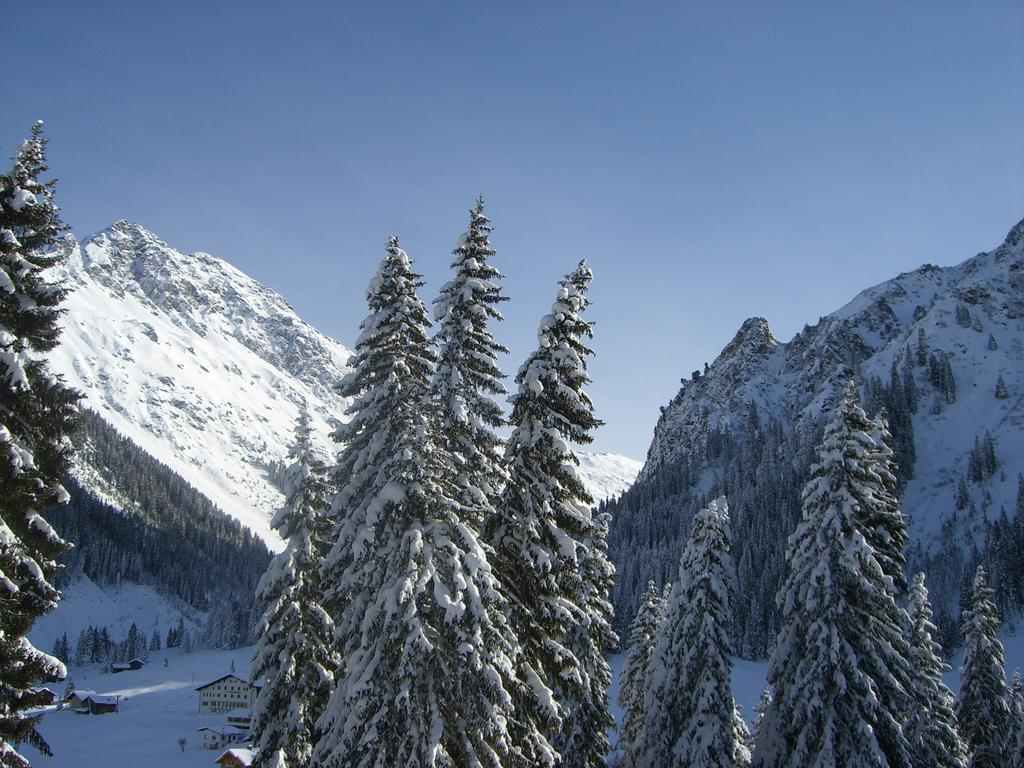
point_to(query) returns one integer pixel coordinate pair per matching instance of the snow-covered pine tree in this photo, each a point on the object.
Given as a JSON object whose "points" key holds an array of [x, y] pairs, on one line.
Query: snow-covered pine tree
{"points": [[583, 742], [295, 656], [743, 739], [593, 641], [691, 717], [539, 534], [840, 669], [981, 705], [427, 661], [467, 373], [1016, 704], [636, 671], [886, 528], [37, 413], [931, 727], [761, 707]]}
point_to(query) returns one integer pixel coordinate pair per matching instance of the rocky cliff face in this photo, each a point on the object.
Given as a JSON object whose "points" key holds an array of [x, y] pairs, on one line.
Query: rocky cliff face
{"points": [[932, 346]]}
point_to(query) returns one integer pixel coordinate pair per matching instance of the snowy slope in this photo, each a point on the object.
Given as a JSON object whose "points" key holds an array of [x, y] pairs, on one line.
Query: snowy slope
{"points": [[84, 603], [199, 364], [607, 475]]}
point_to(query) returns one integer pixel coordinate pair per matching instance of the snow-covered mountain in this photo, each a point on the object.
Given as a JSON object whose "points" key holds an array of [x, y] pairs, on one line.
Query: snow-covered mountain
{"points": [[608, 475], [942, 349], [205, 368], [196, 362], [882, 327]]}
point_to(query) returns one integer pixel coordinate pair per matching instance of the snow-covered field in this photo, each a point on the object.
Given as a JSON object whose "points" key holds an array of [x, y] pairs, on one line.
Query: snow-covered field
{"points": [[159, 705]]}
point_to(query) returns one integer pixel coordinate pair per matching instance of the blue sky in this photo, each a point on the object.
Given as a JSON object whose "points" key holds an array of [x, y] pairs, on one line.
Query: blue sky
{"points": [[712, 161]]}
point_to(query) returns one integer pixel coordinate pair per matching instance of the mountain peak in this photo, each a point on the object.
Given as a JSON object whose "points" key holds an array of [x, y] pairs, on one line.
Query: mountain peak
{"points": [[130, 229], [1014, 239], [753, 336]]}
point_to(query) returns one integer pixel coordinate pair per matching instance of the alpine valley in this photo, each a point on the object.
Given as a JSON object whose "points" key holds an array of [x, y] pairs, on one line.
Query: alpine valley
{"points": [[193, 374], [941, 349]]}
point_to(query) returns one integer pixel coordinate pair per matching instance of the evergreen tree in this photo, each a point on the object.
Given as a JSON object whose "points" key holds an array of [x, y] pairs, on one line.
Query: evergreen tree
{"points": [[743, 739], [885, 526], [583, 741], [931, 728], [467, 373], [83, 651], [840, 670], [981, 706], [761, 707], [427, 660], [692, 720], [1020, 496], [921, 355], [132, 643], [1016, 703], [539, 536], [36, 415], [1002, 393], [294, 657], [61, 650], [176, 634], [637, 671]]}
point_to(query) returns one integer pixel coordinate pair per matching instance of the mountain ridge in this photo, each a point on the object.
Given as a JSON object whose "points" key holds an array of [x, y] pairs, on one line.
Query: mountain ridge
{"points": [[932, 346]]}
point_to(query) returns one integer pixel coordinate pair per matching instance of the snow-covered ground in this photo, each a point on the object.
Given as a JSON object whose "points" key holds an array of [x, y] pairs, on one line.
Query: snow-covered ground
{"points": [[159, 705]]}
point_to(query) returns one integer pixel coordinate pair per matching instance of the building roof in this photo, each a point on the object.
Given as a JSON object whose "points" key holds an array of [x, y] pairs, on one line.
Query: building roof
{"points": [[242, 754], [224, 730], [225, 677], [128, 664], [81, 693], [97, 699]]}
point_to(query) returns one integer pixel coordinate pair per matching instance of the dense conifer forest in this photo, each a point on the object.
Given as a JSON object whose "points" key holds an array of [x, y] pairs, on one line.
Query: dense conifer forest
{"points": [[163, 533]]}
